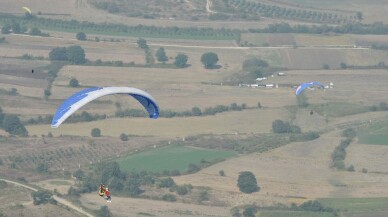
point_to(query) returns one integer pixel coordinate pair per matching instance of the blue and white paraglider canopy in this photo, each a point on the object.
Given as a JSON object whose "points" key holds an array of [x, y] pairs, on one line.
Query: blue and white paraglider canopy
{"points": [[81, 98], [303, 86]]}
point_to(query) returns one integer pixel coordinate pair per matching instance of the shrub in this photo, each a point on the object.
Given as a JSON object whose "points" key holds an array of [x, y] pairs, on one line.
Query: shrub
{"points": [[169, 197], [124, 137], [96, 132], [73, 82]]}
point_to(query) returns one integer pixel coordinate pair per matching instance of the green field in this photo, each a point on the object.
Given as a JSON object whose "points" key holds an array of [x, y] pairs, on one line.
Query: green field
{"points": [[170, 158], [339, 109], [375, 134], [373, 139], [294, 214], [356, 204]]}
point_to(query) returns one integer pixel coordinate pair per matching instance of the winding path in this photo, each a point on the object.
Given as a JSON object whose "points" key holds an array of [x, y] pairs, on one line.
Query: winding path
{"points": [[58, 199]]}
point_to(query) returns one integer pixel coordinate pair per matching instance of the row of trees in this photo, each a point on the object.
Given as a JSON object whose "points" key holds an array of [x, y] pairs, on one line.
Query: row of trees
{"points": [[16, 28], [266, 10], [377, 28], [139, 30], [195, 111], [339, 154], [308, 206]]}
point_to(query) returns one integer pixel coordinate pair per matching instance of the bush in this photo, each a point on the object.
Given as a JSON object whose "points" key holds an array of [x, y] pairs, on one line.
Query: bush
{"points": [[42, 168], [247, 182], [96, 132], [166, 183], [169, 197], [41, 197], [73, 82], [182, 190], [221, 172], [81, 36], [123, 137]]}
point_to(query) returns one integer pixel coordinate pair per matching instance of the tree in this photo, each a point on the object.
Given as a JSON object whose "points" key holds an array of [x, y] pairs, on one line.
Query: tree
{"points": [[6, 29], [47, 93], [42, 168], [79, 174], [343, 66], [73, 82], [58, 53], [166, 183], [35, 31], [326, 66], [2, 115], [249, 211], [196, 111], [181, 60], [142, 43], [104, 212], [124, 137], [209, 60], [359, 15], [81, 36], [247, 182], [161, 55], [13, 125], [75, 54], [41, 197], [96, 132], [253, 64], [16, 28]]}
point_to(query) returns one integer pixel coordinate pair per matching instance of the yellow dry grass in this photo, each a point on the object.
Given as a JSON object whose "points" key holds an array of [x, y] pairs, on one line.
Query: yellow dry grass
{"points": [[249, 121], [323, 40], [122, 207], [295, 170]]}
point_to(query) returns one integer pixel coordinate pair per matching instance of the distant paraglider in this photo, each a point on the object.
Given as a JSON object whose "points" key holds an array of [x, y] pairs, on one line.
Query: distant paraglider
{"points": [[27, 10], [76, 101], [303, 86]]}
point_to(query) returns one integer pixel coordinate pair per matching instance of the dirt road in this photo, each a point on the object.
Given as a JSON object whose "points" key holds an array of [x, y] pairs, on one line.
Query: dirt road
{"points": [[58, 199]]}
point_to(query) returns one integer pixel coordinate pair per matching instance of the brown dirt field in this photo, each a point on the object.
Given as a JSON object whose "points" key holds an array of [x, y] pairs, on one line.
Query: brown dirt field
{"points": [[51, 185], [315, 58], [358, 86], [19, 45], [229, 122], [295, 170], [135, 207], [370, 157], [17, 201]]}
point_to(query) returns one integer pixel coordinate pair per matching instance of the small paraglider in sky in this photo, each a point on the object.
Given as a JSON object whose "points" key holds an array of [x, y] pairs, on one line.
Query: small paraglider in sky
{"points": [[27, 10]]}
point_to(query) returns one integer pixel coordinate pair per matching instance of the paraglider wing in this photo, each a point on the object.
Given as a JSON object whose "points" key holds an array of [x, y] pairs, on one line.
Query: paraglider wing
{"points": [[27, 10], [303, 86], [76, 101]]}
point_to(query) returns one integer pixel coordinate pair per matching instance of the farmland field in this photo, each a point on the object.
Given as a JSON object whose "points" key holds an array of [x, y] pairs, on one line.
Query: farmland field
{"points": [[170, 158], [294, 214], [292, 172], [356, 204]]}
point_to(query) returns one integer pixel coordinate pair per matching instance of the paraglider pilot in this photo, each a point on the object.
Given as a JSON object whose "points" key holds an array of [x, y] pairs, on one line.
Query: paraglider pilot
{"points": [[101, 190], [107, 196], [105, 193]]}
